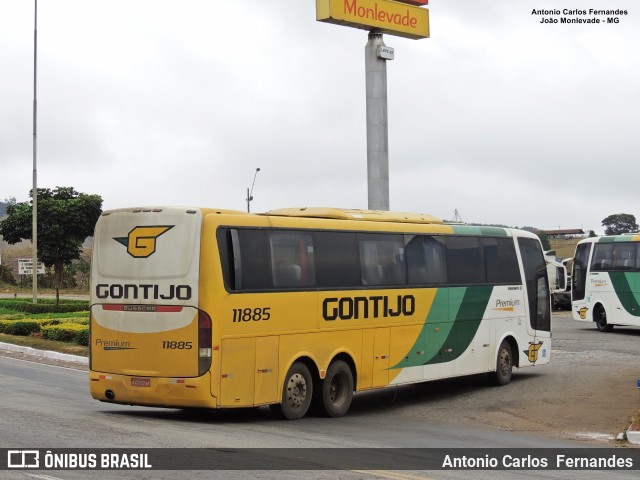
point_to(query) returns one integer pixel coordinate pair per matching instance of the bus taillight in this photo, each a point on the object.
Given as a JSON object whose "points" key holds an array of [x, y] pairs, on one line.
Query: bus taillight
{"points": [[204, 342]]}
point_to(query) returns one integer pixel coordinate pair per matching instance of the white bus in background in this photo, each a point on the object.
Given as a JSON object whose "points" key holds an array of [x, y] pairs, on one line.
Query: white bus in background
{"points": [[606, 281], [559, 280]]}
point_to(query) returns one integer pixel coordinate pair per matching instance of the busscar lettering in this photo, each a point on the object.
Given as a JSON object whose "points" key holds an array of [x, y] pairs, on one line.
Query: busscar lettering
{"points": [[376, 306], [143, 291]]}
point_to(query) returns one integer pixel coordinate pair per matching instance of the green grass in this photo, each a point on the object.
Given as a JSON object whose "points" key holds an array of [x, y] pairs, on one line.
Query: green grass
{"points": [[66, 316], [35, 340], [42, 344]]}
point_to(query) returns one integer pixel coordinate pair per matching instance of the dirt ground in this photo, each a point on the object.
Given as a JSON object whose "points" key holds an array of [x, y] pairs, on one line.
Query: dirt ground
{"points": [[587, 392]]}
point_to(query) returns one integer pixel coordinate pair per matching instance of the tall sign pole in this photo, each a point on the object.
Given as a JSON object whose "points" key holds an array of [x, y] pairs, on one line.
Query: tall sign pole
{"points": [[34, 192], [404, 18], [377, 123]]}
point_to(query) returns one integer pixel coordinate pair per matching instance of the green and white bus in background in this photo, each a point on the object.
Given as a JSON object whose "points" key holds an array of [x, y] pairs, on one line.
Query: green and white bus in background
{"points": [[606, 281]]}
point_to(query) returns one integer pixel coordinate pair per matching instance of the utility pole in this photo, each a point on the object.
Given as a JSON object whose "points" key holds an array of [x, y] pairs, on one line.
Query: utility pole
{"points": [[34, 193]]}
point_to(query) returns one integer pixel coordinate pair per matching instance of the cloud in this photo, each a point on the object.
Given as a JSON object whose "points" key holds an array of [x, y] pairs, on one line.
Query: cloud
{"points": [[155, 102]]}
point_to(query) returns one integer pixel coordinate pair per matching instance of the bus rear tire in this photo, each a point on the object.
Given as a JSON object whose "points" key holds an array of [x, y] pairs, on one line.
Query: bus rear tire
{"points": [[296, 393], [337, 390], [600, 319], [504, 365]]}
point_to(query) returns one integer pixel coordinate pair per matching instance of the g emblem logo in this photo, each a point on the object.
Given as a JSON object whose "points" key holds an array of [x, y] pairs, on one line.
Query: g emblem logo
{"points": [[532, 352], [141, 242]]}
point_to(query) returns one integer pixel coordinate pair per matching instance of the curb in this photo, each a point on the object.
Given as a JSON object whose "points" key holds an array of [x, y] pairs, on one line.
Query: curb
{"points": [[633, 435], [64, 357]]}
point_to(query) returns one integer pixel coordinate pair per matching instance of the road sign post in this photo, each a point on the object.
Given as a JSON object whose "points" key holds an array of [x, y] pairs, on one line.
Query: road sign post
{"points": [[25, 267]]}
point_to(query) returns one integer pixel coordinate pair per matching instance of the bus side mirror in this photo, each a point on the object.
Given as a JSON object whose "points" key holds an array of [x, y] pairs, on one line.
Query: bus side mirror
{"points": [[557, 273]]}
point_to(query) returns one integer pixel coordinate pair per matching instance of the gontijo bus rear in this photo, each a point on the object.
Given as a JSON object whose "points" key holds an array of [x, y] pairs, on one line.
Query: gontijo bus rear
{"points": [[299, 308]]}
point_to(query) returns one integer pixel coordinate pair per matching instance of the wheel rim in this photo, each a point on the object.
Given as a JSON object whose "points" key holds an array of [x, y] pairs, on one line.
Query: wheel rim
{"points": [[296, 391], [338, 389], [505, 362]]}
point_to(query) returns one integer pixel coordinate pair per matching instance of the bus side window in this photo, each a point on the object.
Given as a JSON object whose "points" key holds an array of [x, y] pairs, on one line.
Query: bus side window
{"points": [[602, 254], [292, 262], [624, 254], [426, 260], [236, 244], [465, 261], [501, 260], [223, 236], [382, 259], [336, 256], [252, 247]]}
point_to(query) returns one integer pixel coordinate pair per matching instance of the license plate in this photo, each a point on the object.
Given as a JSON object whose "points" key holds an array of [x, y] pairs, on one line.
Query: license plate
{"points": [[140, 382]]}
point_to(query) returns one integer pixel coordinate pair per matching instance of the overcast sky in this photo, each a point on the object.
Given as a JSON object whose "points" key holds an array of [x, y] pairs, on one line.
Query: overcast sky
{"points": [[165, 102]]}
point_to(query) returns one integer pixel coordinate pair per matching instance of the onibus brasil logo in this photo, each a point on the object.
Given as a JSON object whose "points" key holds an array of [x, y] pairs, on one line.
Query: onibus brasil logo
{"points": [[141, 241]]}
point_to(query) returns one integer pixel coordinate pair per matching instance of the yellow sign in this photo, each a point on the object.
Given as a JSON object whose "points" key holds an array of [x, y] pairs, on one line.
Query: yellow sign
{"points": [[389, 17]]}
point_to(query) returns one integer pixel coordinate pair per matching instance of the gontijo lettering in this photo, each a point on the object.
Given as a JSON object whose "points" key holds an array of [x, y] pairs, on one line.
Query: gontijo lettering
{"points": [[142, 291], [354, 308]]}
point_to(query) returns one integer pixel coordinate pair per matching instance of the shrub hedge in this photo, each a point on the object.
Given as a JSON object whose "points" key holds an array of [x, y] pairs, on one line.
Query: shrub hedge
{"points": [[66, 328], [45, 306], [66, 332], [19, 327]]}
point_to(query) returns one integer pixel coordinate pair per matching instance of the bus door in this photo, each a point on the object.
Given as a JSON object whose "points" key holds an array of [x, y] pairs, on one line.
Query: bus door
{"points": [[538, 300]]}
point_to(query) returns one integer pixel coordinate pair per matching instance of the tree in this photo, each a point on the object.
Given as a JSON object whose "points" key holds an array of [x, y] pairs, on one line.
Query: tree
{"points": [[6, 275], [65, 219], [544, 239], [619, 223], [4, 203]]}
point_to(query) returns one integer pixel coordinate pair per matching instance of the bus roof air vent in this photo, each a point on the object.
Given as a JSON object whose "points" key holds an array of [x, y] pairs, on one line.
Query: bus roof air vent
{"points": [[355, 214]]}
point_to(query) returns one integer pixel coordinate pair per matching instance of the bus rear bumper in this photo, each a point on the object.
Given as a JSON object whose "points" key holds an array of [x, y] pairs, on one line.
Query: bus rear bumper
{"points": [[152, 391]]}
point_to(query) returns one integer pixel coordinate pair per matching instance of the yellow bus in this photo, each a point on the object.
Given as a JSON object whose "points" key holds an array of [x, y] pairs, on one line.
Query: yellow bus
{"points": [[300, 308]]}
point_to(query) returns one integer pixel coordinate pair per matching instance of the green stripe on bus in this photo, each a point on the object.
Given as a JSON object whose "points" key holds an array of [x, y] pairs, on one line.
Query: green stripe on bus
{"points": [[487, 231], [450, 326], [629, 299], [617, 238]]}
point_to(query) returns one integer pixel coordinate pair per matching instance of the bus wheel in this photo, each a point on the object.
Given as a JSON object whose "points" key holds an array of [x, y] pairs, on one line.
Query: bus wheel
{"points": [[504, 365], [600, 318], [296, 393], [337, 389]]}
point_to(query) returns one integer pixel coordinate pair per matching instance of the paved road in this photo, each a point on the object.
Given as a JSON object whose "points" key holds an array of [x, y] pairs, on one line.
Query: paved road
{"points": [[46, 407], [591, 373]]}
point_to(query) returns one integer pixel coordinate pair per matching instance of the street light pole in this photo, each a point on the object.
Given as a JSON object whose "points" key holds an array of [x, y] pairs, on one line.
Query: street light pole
{"points": [[250, 192], [34, 194]]}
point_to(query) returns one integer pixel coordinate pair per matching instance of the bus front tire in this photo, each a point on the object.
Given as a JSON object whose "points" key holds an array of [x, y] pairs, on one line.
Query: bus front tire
{"points": [[504, 365], [600, 319], [296, 393], [337, 390]]}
